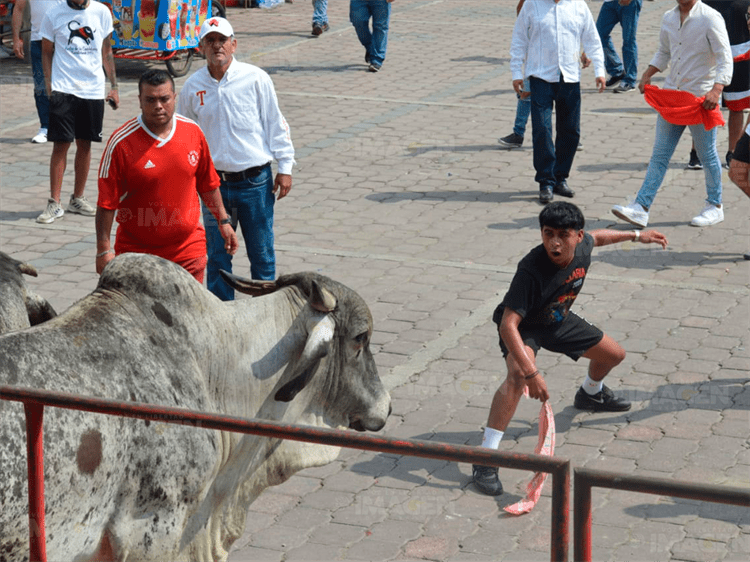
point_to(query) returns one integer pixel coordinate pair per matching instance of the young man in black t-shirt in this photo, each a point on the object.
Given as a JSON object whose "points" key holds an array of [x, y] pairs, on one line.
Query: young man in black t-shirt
{"points": [[535, 313]]}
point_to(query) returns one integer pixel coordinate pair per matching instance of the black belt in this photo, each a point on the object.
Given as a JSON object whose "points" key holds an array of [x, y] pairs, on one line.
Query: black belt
{"points": [[243, 175]]}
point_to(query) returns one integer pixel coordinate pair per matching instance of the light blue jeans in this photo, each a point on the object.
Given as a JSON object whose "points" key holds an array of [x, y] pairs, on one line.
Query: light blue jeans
{"points": [[610, 15], [523, 109], [667, 137], [40, 91], [320, 12], [375, 41], [250, 203]]}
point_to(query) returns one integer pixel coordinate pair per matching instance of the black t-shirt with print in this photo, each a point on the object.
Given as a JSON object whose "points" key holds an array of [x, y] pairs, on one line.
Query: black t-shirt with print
{"points": [[541, 292]]}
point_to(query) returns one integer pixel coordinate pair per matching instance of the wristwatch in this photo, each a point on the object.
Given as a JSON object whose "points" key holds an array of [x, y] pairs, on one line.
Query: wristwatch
{"points": [[225, 221]]}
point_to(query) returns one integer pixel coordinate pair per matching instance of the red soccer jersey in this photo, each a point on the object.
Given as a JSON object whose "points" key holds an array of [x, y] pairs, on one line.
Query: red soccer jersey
{"points": [[153, 184]]}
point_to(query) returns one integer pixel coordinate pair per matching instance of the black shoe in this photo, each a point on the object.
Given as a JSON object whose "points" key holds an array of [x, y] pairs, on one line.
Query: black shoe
{"points": [[486, 480], [367, 57], [624, 89], [747, 256], [545, 194], [511, 141], [562, 189], [603, 401], [695, 162], [373, 67], [730, 155], [615, 80]]}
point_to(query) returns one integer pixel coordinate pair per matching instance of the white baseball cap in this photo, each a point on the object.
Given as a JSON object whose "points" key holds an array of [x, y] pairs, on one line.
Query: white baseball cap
{"points": [[218, 25]]}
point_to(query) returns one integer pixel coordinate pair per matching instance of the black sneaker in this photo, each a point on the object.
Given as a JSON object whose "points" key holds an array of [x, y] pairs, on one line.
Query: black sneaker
{"points": [[695, 162], [602, 401], [511, 141], [545, 194], [486, 480], [730, 155], [373, 67], [624, 88], [614, 80]]}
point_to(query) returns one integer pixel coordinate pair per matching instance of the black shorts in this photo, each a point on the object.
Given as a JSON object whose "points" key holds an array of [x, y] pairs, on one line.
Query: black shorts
{"points": [[71, 118], [574, 337]]}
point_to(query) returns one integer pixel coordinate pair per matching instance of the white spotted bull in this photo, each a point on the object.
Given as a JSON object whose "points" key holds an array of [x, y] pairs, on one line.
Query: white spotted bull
{"points": [[124, 489]]}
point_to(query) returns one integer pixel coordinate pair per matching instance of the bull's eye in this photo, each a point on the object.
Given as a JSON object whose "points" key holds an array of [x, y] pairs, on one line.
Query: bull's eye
{"points": [[361, 339]]}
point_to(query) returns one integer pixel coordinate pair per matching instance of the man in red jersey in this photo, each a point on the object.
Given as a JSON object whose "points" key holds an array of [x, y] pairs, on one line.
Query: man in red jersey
{"points": [[152, 171]]}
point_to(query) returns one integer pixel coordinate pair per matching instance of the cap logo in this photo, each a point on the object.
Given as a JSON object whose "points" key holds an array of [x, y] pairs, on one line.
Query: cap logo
{"points": [[213, 23]]}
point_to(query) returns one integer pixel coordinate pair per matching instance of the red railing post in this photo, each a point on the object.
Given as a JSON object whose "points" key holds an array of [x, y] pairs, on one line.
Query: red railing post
{"points": [[35, 464], [581, 518], [560, 507]]}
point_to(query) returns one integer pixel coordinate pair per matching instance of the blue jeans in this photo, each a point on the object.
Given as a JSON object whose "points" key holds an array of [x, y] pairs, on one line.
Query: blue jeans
{"points": [[523, 109], [40, 92], [627, 16], [667, 137], [553, 160], [375, 42], [320, 12], [250, 203]]}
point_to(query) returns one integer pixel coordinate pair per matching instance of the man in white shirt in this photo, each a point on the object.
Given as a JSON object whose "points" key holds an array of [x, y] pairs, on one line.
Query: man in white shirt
{"points": [[38, 8], [235, 104], [547, 41], [76, 54], [693, 42]]}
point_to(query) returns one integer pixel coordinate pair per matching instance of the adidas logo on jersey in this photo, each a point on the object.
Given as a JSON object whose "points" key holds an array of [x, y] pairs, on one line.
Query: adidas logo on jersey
{"points": [[149, 165]]}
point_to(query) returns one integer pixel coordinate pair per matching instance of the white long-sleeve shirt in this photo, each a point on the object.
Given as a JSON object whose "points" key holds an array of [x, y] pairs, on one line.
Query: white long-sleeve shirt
{"points": [[240, 117], [547, 41], [697, 51]]}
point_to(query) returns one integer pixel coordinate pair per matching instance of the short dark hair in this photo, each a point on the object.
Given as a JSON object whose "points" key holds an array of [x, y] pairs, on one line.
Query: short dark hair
{"points": [[562, 214], [154, 77]]}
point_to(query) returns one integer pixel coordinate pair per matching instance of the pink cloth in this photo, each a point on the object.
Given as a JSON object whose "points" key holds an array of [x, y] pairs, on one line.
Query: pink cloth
{"points": [[682, 108], [545, 446]]}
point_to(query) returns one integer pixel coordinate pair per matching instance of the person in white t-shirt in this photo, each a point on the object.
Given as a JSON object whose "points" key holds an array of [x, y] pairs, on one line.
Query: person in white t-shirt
{"points": [[235, 104], [38, 9], [76, 54]]}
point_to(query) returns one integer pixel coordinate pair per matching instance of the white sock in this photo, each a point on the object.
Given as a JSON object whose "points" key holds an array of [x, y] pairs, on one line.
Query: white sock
{"points": [[492, 438], [590, 386]]}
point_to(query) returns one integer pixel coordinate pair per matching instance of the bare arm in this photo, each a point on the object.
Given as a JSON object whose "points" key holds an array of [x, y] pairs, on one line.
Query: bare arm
{"points": [[607, 237], [212, 200], [16, 23], [48, 51], [103, 225], [108, 62], [646, 77], [508, 330]]}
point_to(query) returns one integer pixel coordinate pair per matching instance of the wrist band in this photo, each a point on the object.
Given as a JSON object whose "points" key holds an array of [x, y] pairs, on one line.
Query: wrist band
{"points": [[225, 221], [104, 253], [531, 376], [637, 235]]}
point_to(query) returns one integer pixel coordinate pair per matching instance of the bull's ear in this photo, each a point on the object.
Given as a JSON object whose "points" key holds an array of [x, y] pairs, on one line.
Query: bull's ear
{"points": [[38, 309], [248, 286], [317, 346], [322, 299]]}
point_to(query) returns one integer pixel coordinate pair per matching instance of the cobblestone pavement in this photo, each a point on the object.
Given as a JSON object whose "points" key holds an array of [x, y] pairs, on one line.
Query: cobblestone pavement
{"points": [[402, 193]]}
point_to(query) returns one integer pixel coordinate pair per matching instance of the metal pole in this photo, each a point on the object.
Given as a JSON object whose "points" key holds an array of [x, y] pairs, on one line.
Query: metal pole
{"points": [[560, 505], [35, 464], [581, 518]]}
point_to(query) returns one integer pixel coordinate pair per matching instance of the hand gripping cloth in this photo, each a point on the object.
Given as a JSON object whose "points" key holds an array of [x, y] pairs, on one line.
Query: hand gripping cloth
{"points": [[682, 108]]}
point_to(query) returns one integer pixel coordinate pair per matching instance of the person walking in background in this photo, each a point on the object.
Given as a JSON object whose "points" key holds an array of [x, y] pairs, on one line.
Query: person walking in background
{"points": [[320, 17], [523, 110], [76, 54], [235, 104], [693, 42], [548, 37], [37, 8], [375, 41], [152, 171], [623, 73]]}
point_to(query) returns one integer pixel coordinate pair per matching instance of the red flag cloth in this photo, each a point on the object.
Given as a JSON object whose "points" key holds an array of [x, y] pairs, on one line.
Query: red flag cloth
{"points": [[545, 446], [682, 108]]}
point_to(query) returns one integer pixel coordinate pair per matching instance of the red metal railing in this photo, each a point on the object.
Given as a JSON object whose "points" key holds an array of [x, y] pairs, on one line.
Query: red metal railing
{"points": [[35, 400], [585, 479]]}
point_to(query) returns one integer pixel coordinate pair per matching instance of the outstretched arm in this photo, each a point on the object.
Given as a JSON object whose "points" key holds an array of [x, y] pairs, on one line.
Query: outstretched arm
{"points": [[606, 237]]}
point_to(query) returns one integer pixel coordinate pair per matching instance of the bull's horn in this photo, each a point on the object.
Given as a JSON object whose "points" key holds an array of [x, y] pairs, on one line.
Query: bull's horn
{"points": [[27, 269], [322, 299], [252, 287]]}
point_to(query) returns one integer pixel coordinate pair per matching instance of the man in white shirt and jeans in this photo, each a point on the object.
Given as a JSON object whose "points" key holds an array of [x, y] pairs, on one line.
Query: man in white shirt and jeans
{"points": [[694, 43], [546, 48], [235, 104]]}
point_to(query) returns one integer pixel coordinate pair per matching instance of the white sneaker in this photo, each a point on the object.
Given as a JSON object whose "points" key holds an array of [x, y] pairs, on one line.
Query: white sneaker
{"points": [[80, 205], [634, 213], [711, 214], [40, 137], [52, 212]]}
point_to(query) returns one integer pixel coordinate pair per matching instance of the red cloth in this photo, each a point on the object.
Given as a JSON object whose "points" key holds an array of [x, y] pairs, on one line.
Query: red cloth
{"points": [[154, 185], [682, 108]]}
